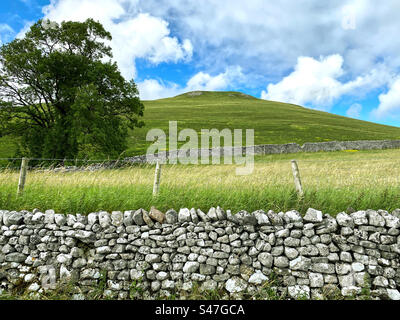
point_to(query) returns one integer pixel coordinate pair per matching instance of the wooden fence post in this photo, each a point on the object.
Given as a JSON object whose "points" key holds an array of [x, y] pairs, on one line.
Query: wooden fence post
{"points": [[296, 176], [157, 176], [22, 176]]}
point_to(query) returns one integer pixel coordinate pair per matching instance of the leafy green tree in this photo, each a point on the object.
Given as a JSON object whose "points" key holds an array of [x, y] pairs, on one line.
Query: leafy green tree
{"points": [[61, 94]]}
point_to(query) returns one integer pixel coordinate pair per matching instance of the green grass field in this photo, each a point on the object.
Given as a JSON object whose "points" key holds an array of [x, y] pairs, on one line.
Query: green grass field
{"points": [[273, 122], [333, 181]]}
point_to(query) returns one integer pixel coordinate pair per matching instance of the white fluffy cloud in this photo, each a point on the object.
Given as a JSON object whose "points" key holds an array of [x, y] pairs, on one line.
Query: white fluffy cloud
{"points": [[389, 102], [354, 111], [269, 36], [153, 89], [135, 34], [316, 83]]}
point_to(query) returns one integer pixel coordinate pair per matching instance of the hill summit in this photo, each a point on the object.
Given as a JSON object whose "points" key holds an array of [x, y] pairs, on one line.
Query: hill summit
{"points": [[216, 94]]}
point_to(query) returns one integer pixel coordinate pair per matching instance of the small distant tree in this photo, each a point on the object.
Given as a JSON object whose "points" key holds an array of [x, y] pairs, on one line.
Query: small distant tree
{"points": [[61, 94]]}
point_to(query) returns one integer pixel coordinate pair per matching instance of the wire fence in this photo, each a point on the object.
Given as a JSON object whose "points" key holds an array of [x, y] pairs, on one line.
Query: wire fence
{"points": [[128, 160], [346, 166]]}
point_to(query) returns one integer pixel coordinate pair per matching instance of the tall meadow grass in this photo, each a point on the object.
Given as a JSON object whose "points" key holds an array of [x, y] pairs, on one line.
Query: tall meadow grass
{"points": [[332, 182]]}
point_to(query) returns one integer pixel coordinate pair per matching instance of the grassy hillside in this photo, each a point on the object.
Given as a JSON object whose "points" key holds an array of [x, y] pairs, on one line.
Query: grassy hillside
{"points": [[273, 122]]}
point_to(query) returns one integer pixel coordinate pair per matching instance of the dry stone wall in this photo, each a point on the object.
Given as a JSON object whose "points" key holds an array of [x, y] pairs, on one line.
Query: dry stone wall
{"points": [[274, 149], [170, 253]]}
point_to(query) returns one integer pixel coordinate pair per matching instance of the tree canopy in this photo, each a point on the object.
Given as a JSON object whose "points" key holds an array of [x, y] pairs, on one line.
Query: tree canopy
{"points": [[62, 95]]}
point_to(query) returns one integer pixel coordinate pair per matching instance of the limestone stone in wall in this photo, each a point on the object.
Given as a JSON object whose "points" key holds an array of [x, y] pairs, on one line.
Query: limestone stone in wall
{"points": [[217, 250]]}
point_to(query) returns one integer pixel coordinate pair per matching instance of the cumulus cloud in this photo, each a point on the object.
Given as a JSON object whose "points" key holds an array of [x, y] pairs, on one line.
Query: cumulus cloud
{"points": [[268, 37], [389, 102], [154, 89], [135, 34], [151, 89], [354, 111], [316, 83]]}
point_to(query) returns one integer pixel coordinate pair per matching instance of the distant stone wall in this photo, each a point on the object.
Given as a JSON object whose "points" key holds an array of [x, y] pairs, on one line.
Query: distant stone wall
{"points": [[276, 149], [159, 254]]}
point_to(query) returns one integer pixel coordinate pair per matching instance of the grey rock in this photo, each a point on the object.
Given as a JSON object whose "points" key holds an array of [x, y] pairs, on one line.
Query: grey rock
{"points": [[104, 219], [266, 259], [375, 219], [316, 280], [350, 291], [203, 217], [357, 266], [38, 217], [346, 257], [323, 268], [184, 215], [360, 217], [236, 285], [117, 218], [313, 216], [347, 280], [284, 233], [206, 269], [291, 253], [103, 250], [152, 258], [300, 263], [391, 221], [345, 220], [85, 236], [171, 216], [249, 219], [15, 218], [93, 218], [191, 267], [393, 294], [15, 257], [147, 219], [262, 218], [193, 216], [343, 268], [168, 284], [138, 217], [212, 214], [281, 262], [274, 218], [60, 219], [221, 215], [257, 278], [65, 259], [380, 281], [292, 242], [292, 216]]}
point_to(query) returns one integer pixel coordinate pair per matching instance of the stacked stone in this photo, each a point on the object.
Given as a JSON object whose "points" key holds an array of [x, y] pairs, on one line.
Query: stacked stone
{"points": [[369, 246], [159, 253]]}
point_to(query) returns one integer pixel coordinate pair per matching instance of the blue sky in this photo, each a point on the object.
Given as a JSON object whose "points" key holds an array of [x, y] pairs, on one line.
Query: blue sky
{"points": [[337, 56]]}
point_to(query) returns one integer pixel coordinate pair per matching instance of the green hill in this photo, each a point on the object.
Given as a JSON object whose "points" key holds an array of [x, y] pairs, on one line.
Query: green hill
{"points": [[273, 122]]}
